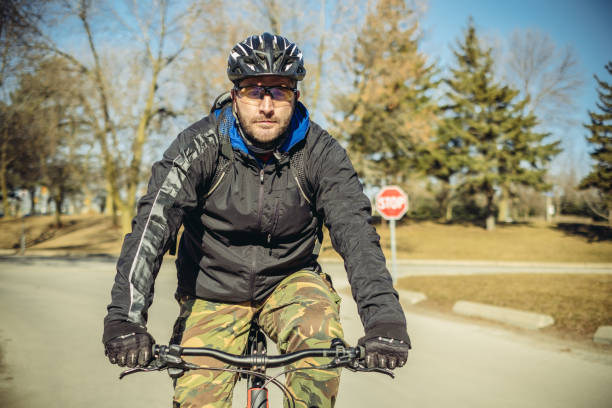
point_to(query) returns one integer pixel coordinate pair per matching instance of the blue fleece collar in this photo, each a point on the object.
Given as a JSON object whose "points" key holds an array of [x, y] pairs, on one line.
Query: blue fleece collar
{"points": [[297, 129]]}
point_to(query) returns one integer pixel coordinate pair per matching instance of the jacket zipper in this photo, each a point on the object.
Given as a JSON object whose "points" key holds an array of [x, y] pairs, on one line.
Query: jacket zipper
{"points": [[261, 197], [259, 214], [274, 222]]}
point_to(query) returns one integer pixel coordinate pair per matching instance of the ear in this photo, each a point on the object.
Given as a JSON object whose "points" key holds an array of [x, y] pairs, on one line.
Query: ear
{"points": [[297, 95]]}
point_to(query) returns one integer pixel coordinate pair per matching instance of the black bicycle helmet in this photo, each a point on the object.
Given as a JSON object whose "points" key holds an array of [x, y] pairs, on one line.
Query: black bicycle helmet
{"points": [[265, 54]]}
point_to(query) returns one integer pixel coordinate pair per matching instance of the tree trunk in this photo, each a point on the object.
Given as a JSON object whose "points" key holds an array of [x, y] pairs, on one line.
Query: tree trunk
{"points": [[504, 206], [449, 212], [110, 167], [446, 210], [126, 219], [490, 222], [548, 210], [320, 54], [128, 210], [58, 211], [3, 170], [108, 201], [33, 200]]}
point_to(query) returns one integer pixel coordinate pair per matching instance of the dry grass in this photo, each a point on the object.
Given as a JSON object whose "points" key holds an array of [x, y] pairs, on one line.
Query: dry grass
{"points": [[578, 303], [529, 243], [567, 242], [79, 234]]}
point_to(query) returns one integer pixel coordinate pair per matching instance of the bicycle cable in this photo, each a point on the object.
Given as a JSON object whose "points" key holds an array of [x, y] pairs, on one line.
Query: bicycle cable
{"points": [[269, 379], [291, 370]]}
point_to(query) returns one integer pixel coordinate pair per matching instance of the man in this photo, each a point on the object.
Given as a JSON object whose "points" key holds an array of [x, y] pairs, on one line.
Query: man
{"points": [[252, 184]]}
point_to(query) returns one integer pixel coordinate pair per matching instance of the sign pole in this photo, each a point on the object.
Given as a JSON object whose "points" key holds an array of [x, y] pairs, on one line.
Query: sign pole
{"points": [[393, 253], [392, 204]]}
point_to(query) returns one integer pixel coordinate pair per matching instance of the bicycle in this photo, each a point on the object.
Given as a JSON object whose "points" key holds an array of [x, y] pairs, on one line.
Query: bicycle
{"points": [[253, 366]]}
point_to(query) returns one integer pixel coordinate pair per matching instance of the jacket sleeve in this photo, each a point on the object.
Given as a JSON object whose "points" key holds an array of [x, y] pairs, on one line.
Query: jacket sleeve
{"points": [[172, 190], [347, 214]]}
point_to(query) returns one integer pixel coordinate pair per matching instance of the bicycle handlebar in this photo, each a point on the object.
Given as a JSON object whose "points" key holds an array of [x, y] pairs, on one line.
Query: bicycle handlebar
{"points": [[263, 360], [169, 357]]}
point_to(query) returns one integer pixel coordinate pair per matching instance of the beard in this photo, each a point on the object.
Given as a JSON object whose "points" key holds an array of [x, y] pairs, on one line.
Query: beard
{"points": [[264, 132]]}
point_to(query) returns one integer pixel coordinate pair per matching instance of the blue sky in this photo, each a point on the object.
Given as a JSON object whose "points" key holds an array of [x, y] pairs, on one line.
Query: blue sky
{"points": [[585, 25]]}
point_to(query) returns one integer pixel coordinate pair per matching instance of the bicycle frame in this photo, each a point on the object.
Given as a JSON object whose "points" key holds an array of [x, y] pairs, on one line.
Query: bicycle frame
{"points": [[257, 393]]}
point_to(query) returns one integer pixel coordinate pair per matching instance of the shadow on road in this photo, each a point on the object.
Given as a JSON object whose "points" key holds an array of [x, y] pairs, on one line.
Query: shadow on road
{"points": [[8, 396], [593, 233], [31, 259]]}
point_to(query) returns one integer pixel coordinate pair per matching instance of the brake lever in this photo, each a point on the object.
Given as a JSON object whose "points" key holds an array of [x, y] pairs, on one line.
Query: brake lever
{"points": [[139, 370], [158, 364], [363, 369], [359, 367], [168, 358], [380, 370]]}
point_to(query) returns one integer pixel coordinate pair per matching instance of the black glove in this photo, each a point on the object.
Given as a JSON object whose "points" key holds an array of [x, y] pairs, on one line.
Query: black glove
{"points": [[384, 352], [127, 343], [386, 345], [134, 349]]}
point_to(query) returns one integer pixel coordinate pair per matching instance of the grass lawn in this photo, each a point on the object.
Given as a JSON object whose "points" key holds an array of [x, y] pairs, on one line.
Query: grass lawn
{"points": [[539, 242], [578, 303]]}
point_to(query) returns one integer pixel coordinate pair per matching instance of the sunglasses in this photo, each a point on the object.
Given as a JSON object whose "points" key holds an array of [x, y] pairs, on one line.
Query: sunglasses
{"points": [[253, 94]]}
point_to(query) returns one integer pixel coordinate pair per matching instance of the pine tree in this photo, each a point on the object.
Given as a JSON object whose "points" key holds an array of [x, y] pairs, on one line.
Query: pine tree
{"points": [[600, 127], [443, 158], [388, 110], [494, 140]]}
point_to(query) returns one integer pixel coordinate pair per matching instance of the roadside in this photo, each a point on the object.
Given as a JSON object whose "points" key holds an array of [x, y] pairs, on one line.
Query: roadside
{"points": [[553, 339], [561, 242], [579, 304]]}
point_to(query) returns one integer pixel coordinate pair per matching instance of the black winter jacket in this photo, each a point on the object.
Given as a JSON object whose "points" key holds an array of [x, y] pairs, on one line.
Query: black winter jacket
{"points": [[255, 228]]}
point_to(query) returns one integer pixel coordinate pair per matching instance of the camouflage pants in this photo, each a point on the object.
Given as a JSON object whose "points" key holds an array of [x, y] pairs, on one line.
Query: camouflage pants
{"points": [[301, 313]]}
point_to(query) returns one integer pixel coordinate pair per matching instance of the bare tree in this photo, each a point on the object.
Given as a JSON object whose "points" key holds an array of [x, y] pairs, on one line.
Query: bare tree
{"points": [[162, 35], [19, 20], [321, 30], [41, 131], [549, 76], [19, 30]]}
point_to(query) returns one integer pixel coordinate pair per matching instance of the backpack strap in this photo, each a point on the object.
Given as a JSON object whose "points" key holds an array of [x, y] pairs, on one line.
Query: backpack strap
{"points": [[296, 163], [226, 153]]}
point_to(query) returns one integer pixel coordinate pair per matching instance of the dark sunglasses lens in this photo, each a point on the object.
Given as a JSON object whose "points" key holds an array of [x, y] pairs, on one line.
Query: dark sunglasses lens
{"points": [[281, 94], [252, 92]]}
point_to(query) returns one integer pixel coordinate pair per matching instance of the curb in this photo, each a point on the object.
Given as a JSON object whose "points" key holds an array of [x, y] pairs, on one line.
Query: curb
{"points": [[603, 335], [483, 263], [408, 298], [514, 317]]}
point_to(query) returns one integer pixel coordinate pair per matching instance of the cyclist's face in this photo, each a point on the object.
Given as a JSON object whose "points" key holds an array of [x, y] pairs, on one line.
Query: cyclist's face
{"points": [[265, 119]]}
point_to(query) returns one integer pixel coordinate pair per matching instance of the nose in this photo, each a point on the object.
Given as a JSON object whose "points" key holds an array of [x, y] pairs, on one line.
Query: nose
{"points": [[266, 105]]}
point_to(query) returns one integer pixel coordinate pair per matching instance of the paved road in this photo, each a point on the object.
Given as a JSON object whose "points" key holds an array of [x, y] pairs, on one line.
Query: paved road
{"points": [[51, 324]]}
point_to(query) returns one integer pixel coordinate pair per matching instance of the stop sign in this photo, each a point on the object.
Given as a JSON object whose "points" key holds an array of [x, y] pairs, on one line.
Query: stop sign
{"points": [[392, 203]]}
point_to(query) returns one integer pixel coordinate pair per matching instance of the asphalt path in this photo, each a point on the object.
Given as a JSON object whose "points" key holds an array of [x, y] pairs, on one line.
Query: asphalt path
{"points": [[51, 326]]}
